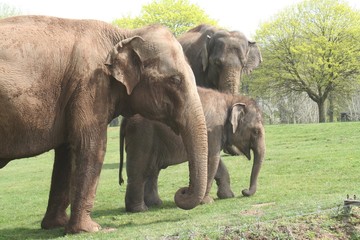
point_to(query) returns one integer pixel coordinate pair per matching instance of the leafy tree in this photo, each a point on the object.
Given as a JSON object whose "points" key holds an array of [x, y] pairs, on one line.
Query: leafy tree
{"points": [[312, 47], [178, 15], [8, 11]]}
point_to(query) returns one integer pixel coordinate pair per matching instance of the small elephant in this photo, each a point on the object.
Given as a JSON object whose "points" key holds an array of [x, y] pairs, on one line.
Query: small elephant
{"points": [[62, 81], [232, 121], [218, 57]]}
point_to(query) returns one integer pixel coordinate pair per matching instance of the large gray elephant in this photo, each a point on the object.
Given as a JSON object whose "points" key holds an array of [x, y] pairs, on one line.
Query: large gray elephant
{"points": [[62, 81], [232, 120], [218, 57]]}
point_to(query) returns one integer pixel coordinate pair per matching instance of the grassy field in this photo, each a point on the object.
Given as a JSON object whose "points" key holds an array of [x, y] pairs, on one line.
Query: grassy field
{"points": [[307, 173]]}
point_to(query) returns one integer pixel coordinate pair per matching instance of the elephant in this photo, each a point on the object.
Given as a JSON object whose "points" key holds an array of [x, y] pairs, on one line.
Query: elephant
{"points": [[218, 57], [232, 121], [62, 81]]}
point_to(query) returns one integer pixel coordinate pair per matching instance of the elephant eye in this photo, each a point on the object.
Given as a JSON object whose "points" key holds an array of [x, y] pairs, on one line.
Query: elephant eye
{"points": [[176, 80], [218, 62], [215, 61], [256, 132]]}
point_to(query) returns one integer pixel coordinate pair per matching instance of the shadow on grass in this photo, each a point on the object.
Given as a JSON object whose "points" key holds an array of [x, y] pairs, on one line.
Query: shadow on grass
{"points": [[130, 224], [30, 233], [111, 223], [121, 214], [165, 205], [110, 166], [122, 211]]}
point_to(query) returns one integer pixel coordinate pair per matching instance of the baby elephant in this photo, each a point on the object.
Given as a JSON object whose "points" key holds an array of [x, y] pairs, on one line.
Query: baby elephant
{"points": [[234, 123]]}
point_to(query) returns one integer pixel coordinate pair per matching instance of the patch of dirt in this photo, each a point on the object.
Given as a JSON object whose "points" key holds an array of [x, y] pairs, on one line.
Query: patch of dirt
{"points": [[108, 229], [264, 204], [255, 210], [252, 212], [317, 226]]}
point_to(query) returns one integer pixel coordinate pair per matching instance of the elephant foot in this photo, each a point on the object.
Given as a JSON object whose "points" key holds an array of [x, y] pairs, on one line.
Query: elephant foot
{"points": [[153, 202], [225, 194], [84, 225], [54, 221], [136, 208], [207, 199]]}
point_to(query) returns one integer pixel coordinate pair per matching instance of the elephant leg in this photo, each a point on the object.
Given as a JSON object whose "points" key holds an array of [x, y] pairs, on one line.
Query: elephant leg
{"points": [[151, 194], [222, 179], [89, 157], [212, 167], [134, 197], [58, 202], [138, 164]]}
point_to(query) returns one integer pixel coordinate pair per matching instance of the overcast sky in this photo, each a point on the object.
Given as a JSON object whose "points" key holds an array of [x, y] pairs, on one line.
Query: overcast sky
{"points": [[241, 15]]}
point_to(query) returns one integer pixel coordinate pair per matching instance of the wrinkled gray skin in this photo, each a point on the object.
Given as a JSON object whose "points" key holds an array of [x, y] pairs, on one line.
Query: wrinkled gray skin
{"points": [[218, 57], [232, 120], [61, 83]]}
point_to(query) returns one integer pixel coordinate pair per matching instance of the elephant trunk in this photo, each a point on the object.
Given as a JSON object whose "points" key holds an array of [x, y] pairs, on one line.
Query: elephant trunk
{"points": [[259, 153], [194, 135], [230, 80]]}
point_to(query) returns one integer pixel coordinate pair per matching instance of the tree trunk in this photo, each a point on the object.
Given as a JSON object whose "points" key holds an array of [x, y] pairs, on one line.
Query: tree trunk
{"points": [[321, 108], [331, 108]]}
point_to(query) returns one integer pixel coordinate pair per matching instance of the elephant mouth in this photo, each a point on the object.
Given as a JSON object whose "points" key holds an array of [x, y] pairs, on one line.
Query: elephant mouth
{"points": [[246, 70], [173, 126], [232, 150]]}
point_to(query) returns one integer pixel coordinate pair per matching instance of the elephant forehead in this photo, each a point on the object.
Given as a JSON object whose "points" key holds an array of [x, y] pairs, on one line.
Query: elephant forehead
{"points": [[227, 48], [172, 58], [163, 39], [179, 69], [174, 51], [237, 44]]}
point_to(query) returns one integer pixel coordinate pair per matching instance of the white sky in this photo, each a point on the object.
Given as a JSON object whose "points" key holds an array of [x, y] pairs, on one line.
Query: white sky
{"points": [[241, 15]]}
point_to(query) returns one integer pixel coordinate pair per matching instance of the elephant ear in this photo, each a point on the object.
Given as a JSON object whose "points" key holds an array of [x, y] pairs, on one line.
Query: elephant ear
{"points": [[237, 114], [254, 57], [204, 53], [124, 62]]}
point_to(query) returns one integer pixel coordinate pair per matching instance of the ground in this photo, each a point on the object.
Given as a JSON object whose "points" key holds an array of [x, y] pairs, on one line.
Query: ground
{"points": [[339, 225]]}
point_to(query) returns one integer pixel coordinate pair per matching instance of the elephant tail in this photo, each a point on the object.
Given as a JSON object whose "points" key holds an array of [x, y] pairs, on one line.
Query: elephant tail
{"points": [[122, 141]]}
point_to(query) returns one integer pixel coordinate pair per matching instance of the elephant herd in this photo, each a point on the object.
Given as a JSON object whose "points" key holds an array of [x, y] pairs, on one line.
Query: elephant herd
{"points": [[62, 81]]}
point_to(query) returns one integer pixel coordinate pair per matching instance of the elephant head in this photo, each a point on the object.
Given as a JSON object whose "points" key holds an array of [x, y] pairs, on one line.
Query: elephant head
{"points": [[161, 86], [218, 57], [245, 132]]}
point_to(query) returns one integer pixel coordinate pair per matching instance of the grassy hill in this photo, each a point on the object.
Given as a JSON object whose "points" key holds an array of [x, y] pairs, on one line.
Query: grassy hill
{"points": [[307, 174]]}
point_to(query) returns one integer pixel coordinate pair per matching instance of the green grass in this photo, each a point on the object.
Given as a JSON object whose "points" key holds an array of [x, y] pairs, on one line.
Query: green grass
{"points": [[308, 170]]}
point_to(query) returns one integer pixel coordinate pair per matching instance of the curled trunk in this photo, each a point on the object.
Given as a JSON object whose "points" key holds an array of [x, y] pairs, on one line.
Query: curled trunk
{"points": [[194, 135]]}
